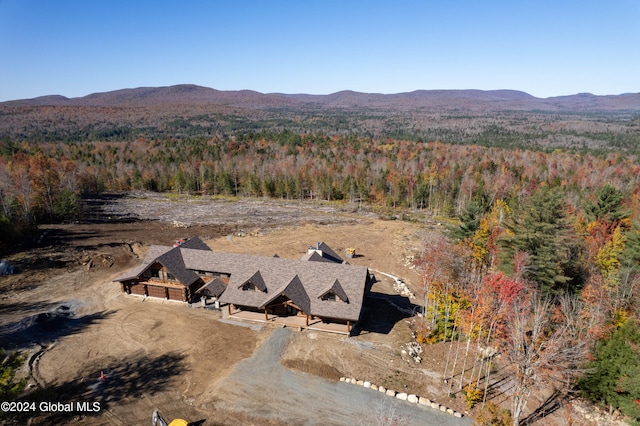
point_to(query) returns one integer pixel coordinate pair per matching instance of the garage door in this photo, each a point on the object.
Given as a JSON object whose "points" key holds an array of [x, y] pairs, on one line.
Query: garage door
{"points": [[137, 289], [176, 294], [156, 291]]}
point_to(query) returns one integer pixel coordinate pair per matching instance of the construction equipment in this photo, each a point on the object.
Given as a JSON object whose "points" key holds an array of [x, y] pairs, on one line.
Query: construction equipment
{"points": [[351, 252], [157, 420]]}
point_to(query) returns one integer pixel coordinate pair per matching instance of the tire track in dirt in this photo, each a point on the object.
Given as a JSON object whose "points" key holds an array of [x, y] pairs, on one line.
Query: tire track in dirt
{"points": [[34, 365]]}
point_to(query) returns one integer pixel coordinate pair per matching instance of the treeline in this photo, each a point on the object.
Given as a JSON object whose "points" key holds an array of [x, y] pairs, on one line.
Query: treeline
{"points": [[42, 182], [612, 130], [547, 288]]}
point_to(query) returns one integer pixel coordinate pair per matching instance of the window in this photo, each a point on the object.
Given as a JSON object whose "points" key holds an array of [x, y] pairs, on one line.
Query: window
{"points": [[330, 296], [155, 273], [250, 286], [170, 277]]}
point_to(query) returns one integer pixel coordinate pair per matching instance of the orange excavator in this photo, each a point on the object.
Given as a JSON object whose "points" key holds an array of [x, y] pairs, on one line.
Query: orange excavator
{"points": [[157, 420]]}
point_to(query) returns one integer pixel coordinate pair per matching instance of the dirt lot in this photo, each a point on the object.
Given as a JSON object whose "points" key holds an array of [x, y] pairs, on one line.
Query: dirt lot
{"points": [[62, 309]]}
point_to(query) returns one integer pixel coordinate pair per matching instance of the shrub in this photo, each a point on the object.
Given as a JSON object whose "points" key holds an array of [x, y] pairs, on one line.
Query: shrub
{"points": [[472, 394], [492, 415]]}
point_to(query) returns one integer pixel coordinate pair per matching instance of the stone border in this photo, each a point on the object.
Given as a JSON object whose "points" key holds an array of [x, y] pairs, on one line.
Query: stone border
{"points": [[399, 286], [414, 399]]}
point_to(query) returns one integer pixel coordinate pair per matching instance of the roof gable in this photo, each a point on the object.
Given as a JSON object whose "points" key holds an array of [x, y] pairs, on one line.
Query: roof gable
{"points": [[336, 289], [214, 287], [172, 260], [325, 252], [256, 281], [195, 243], [329, 251], [314, 256], [152, 254], [295, 291]]}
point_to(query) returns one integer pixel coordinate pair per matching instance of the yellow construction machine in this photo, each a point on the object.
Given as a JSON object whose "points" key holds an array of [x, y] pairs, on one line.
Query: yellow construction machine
{"points": [[157, 420]]}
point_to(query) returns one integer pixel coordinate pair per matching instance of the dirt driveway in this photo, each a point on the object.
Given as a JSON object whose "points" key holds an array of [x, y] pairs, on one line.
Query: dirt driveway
{"points": [[262, 387], [63, 311]]}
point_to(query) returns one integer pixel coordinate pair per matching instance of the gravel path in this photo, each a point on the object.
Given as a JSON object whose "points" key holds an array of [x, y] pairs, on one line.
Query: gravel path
{"points": [[263, 388]]}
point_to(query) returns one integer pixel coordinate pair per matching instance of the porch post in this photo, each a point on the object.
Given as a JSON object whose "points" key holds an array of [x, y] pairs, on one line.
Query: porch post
{"points": [[266, 316], [307, 320], [349, 326], [229, 306]]}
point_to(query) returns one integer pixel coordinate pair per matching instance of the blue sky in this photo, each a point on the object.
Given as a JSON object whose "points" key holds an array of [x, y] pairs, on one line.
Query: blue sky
{"points": [[546, 48]]}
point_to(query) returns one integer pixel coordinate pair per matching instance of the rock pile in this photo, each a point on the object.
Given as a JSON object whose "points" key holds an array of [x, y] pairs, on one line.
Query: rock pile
{"points": [[413, 349]]}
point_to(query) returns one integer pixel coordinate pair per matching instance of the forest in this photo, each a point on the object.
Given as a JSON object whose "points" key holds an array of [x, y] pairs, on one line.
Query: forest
{"points": [[541, 263]]}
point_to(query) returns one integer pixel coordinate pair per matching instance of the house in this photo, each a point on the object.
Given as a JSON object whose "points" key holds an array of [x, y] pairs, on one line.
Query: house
{"points": [[163, 273], [319, 291]]}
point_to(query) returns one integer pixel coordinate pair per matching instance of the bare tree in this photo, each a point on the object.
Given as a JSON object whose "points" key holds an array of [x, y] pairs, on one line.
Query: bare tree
{"points": [[544, 345]]}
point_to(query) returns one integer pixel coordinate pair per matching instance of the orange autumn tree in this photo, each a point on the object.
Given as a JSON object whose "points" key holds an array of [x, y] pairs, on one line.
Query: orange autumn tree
{"points": [[483, 243]]}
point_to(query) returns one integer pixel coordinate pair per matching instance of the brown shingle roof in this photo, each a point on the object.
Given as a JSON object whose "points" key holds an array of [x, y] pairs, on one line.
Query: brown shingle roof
{"points": [[256, 281], [152, 254], [337, 289], [172, 260], [294, 290], [313, 279], [214, 287], [195, 243], [323, 253], [314, 256], [316, 278]]}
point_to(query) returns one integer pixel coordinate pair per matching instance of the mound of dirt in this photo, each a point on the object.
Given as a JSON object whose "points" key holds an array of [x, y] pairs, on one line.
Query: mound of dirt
{"points": [[316, 368]]}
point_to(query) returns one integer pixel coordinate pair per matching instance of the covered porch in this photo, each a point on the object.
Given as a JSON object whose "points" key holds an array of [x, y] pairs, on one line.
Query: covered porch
{"points": [[296, 321]]}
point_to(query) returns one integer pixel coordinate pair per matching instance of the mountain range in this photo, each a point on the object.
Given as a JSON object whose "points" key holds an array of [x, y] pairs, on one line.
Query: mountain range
{"points": [[420, 99], [493, 117]]}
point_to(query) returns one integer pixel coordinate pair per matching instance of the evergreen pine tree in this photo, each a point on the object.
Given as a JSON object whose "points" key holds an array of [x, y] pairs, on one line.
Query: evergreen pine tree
{"points": [[539, 227], [614, 374], [608, 203], [470, 219]]}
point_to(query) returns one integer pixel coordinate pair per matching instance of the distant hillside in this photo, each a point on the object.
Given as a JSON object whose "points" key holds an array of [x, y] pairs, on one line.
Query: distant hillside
{"points": [[448, 99], [494, 117], [185, 94]]}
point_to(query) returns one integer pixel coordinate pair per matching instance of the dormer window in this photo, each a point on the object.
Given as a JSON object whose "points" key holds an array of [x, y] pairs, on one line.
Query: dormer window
{"points": [[330, 296], [334, 293], [155, 273], [255, 283], [249, 286], [170, 277]]}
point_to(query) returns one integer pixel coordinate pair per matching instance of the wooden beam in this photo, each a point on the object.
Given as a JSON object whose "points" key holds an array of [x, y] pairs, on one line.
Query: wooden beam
{"points": [[266, 316], [307, 320]]}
